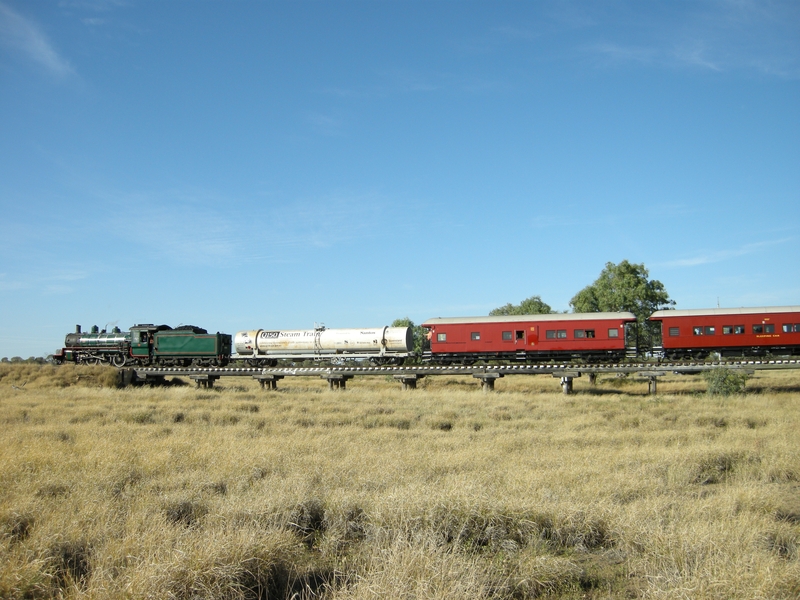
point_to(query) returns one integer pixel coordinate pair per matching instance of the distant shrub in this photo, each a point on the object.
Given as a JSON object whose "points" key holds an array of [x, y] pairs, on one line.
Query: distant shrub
{"points": [[725, 382], [307, 520], [716, 468], [142, 417], [16, 527], [53, 490], [71, 562], [185, 512]]}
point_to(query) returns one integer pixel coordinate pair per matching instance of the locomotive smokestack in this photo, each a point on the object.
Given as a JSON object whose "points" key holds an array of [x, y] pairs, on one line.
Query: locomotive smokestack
{"points": [[77, 328]]}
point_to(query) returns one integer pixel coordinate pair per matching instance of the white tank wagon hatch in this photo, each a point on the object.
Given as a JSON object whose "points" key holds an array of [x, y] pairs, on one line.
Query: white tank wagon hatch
{"points": [[381, 344]]}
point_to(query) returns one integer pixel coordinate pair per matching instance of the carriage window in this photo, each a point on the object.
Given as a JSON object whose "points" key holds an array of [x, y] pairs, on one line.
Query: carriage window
{"points": [[697, 330], [797, 327], [551, 334], [613, 333], [674, 331], [738, 329], [520, 335], [727, 329], [579, 333], [769, 328], [441, 337], [787, 328], [507, 336], [709, 330], [475, 335], [758, 329], [590, 333], [562, 334]]}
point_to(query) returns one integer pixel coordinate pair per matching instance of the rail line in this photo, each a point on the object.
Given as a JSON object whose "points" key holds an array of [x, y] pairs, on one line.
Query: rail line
{"points": [[338, 375]]}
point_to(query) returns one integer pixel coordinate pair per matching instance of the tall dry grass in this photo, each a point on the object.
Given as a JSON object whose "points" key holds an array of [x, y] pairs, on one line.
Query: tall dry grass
{"points": [[443, 492]]}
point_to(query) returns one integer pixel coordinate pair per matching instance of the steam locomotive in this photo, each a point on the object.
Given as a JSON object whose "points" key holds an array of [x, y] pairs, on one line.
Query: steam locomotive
{"points": [[147, 344]]}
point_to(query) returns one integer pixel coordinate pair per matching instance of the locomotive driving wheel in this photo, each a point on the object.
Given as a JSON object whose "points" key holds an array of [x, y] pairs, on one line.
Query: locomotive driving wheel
{"points": [[118, 360]]}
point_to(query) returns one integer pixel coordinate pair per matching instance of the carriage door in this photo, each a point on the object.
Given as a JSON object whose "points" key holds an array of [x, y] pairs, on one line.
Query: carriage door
{"points": [[631, 333], [519, 337]]}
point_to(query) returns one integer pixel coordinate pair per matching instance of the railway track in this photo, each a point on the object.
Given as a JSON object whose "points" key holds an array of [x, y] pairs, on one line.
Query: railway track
{"points": [[338, 375]]}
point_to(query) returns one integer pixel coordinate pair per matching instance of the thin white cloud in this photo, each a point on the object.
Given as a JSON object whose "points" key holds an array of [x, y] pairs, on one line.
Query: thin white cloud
{"points": [[513, 32], [408, 81], [722, 255], [197, 228], [10, 285], [696, 56], [25, 36], [53, 282], [324, 124], [95, 5], [612, 52], [206, 230], [714, 35]]}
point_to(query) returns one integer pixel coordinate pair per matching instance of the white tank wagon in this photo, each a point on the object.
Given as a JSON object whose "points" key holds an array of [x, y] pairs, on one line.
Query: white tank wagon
{"points": [[382, 345]]}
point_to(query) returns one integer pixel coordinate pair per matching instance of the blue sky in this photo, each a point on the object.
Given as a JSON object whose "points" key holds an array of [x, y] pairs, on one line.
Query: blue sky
{"points": [[275, 164]]}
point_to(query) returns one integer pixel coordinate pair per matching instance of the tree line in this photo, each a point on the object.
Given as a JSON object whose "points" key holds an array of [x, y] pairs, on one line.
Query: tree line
{"points": [[624, 287], [39, 360]]}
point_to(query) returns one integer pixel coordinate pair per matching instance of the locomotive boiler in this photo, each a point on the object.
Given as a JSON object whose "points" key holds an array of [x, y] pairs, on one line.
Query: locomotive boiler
{"points": [[381, 345], [95, 347]]}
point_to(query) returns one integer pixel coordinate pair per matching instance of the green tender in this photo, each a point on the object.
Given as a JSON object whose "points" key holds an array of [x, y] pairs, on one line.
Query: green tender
{"points": [[187, 343]]}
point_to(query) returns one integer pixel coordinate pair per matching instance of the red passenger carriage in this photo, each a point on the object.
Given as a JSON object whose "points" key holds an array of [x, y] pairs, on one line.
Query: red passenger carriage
{"points": [[589, 336], [729, 331]]}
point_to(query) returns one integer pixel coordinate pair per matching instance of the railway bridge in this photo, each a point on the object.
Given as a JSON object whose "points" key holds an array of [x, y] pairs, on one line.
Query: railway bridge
{"points": [[338, 376]]}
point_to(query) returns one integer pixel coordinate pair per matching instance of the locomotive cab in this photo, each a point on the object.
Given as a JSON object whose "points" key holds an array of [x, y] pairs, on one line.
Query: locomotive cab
{"points": [[142, 340]]}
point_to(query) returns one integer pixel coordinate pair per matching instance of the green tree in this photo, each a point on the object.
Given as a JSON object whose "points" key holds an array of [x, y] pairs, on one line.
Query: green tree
{"points": [[418, 331], [725, 382], [530, 306], [623, 287], [626, 287]]}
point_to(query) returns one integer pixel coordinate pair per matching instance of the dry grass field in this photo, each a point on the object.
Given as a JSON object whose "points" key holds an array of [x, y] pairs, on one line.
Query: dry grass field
{"points": [[372, 492]]}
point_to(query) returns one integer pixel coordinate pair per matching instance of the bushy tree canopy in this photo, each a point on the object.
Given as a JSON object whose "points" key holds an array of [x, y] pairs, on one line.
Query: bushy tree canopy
{"points": [[623, 287], [530, 306], [418, 330]]}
